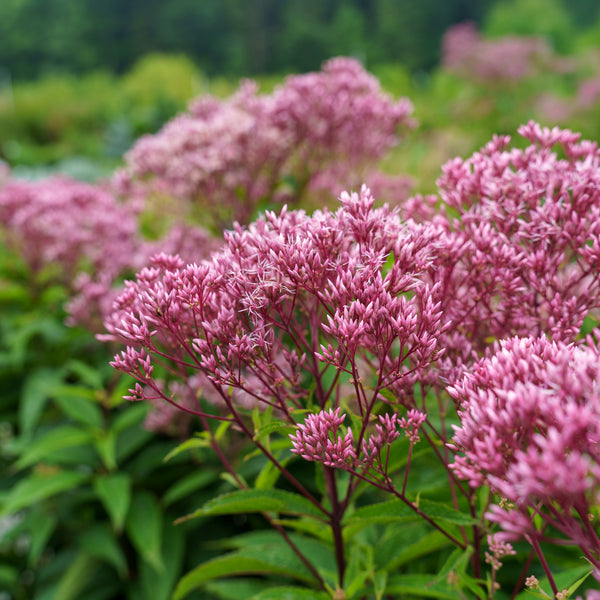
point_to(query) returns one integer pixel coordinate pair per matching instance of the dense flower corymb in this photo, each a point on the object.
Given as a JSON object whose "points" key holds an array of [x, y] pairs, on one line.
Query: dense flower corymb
{"points": [[530, 428], [287, 299], [319, 130], [525, 229]]}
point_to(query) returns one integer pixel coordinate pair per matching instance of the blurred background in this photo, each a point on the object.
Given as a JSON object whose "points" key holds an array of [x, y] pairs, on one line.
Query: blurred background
{"points": [[80, 80]]}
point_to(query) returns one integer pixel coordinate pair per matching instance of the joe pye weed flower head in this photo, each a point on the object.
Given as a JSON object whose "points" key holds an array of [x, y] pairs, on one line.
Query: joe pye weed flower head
{"points": [[351, 326]]}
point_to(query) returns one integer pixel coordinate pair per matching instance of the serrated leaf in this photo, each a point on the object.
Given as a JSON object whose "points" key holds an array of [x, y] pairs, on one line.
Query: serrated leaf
{"points": [[144, 527], [40, 487], [235, 563], [248, 501], [114, 492], [59, 438]]}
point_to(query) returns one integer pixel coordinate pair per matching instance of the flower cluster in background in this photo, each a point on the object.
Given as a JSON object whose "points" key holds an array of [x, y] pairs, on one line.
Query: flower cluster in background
{"points": [[502, 60], [319, 131]]}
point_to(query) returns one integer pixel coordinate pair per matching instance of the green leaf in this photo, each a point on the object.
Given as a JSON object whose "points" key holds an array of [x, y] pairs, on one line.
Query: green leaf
{"points": [[75, 578], [357, 570], [79, 404], [442, 512], [106, 446], [290, 593], [273, 427], [569, 579], [422, 586], [132, 414], [424, 546], [380, 580], [114, 492], [382, 512], [456, 562], [40, 526], [39, 487], [9, 576], [159, 584], [100, 542], [269, 475], [269, 545], [192, 444], [575, 585], [236, 588], [248, 501], [188, 485], [60, 438], [36, 391], [90, 376], [144, 527], [236, 563], [310, 526]]}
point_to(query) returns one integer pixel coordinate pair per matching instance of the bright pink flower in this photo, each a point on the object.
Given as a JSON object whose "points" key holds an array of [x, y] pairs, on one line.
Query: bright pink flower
{"points": [[522, 249], [530, 427], [318, 439]]}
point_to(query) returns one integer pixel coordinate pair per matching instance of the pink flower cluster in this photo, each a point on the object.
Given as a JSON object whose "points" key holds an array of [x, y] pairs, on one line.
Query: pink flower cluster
{"points": [[523, 245], [85, 238], [319, 130], [318, 439], [530, 428], [510, 58], [63, 222], [284, 299]]}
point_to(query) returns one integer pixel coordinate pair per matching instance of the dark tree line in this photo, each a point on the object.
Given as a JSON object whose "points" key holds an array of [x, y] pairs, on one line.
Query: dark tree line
{"points": [[230, 37]]}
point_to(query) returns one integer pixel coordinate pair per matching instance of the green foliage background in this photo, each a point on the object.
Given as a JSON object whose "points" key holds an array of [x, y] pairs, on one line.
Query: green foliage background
{"points": [[240, 37]]}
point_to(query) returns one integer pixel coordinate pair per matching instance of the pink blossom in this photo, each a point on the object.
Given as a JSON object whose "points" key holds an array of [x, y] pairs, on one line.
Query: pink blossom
{"points": [[530, 415], [264, 315], [504, 59], [522, 248], [318, 439], [320, 130]]}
